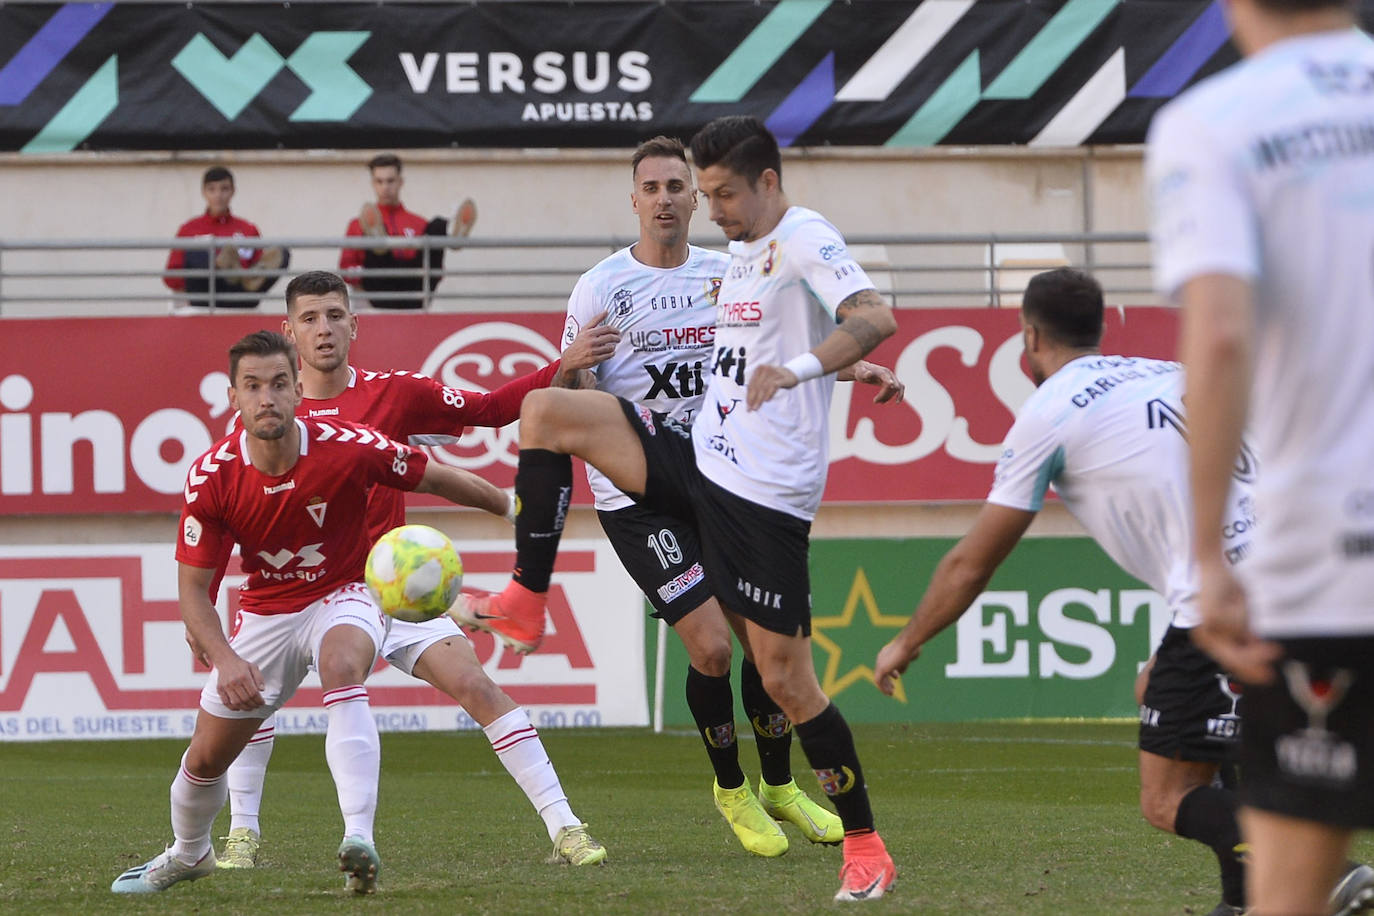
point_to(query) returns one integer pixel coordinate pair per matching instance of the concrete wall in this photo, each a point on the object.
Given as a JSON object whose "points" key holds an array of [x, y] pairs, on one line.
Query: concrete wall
{"points": [[541, 193]]}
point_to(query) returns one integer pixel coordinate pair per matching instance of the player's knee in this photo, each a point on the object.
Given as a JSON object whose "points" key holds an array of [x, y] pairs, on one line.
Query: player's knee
{"points": [[1159, 808], [546, 419], [711, 658]]}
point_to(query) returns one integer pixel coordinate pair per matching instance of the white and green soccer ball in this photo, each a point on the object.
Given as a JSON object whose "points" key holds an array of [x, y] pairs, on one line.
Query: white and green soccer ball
{"points": [[414, 573]]}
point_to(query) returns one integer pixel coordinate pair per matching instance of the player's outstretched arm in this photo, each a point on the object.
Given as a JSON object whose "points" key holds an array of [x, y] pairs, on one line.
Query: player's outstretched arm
{"points": [[865, 319], [240, 681], [463, 488], [960, 576]]}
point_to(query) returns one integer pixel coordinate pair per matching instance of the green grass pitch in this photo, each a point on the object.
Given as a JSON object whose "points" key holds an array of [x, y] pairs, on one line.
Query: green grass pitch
{"points": [[1026, 818]]}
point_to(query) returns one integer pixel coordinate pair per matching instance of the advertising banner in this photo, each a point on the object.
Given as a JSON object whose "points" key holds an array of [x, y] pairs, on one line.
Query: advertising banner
{"points": [[1060, 631], [898, 73], [112, 425], [91, 646]]}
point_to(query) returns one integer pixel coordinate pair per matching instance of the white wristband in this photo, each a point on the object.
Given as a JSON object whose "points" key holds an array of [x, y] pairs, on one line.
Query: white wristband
{"points": [[805, 367]]}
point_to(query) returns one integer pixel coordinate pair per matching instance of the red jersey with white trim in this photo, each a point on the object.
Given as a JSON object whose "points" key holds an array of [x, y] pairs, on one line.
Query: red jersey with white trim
{"points": [[226, 225], [300, 533], [418, 410], [398, 221]]}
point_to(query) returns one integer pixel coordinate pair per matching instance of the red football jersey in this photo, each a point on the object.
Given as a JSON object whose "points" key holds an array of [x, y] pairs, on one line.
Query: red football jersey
{"points": [[300, 534], [417, 410]]}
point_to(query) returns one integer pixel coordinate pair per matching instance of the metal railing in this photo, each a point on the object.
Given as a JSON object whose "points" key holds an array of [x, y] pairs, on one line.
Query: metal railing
{"points": [[54, 277]]}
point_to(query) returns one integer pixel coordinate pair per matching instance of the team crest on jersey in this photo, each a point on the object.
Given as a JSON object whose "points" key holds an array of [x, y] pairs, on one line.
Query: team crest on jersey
{"points": [[835, 782], [720, 735], [772, 261], [622, 300], [713, 289], [316, 508]]}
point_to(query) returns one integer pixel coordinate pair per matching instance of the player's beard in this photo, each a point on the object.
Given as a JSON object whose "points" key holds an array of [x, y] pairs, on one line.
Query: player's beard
{"points": [[269, 433]]}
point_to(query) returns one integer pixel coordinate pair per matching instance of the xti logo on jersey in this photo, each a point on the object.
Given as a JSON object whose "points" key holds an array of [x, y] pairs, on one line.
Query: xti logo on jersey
{"points": [[686, 377]]}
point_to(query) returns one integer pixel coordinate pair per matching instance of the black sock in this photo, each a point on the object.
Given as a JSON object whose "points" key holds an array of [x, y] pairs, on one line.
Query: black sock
{"points": [[543, 487], [772, 729], [829, 748], [1208, 814], [713, 707]]}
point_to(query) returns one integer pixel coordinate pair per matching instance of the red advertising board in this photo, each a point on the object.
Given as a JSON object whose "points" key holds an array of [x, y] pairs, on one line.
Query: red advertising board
{"points": [[102, 415]]}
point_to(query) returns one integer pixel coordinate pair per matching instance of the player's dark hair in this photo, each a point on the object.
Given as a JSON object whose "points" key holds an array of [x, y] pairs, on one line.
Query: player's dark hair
{"points": [[315, 283], [383, 161], [740, 143], [260, 343], [217, 173], [659, 147], [1066, 304]]}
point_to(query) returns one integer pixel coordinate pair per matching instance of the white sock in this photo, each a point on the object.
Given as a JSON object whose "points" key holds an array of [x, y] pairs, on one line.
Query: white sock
{"points": [[195, 802], [520, 751], [246, 775], [354, 752]]}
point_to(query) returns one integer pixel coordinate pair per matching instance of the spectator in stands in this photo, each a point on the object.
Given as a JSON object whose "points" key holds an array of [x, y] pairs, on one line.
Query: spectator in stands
{"points": [[217, 187], [387, 217]]}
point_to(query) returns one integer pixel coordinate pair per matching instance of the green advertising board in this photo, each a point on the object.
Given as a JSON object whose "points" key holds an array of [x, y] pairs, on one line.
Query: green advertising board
{"points": [[1060, 631]]}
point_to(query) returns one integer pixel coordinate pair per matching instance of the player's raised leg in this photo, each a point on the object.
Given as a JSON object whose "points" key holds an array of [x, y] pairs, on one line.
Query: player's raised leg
{"points": [[554, 425]]}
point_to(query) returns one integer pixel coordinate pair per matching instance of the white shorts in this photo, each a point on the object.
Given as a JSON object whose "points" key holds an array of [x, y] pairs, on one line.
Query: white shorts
{"points": [[285, 646], [406, 642]]}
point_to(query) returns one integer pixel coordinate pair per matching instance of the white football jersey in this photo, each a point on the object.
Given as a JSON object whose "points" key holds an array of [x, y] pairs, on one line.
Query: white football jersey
{"points": [[1266, 172], [667, 323], [1108, 433], [778, 301]]}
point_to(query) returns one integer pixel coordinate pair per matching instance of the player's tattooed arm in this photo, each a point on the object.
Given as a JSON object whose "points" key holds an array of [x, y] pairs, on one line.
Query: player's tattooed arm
{"points": [[865, 321], [865, 317]]}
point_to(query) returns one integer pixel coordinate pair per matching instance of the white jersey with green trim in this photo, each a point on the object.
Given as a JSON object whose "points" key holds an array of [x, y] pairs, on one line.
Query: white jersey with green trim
{"points": [[778, 301], [1108, 433], [667, 322], [1265, 172]]}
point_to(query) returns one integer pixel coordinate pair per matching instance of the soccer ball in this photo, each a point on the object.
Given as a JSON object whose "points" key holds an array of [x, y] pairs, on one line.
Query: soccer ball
{"points": [[414, 573]]}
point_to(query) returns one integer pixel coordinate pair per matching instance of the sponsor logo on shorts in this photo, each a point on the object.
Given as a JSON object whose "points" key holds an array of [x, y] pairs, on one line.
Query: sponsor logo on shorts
{"points": [[760, 596], [1313, 754], [1149, 716], [671, 589], [1226, 727]]}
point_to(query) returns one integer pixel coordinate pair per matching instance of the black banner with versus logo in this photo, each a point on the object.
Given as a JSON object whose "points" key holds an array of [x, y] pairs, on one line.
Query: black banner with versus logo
{"points": [[608, 74]]}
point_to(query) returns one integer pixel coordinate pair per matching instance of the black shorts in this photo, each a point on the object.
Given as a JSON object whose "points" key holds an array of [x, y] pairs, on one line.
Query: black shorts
{"points": [[1308, 746], [755, 557], [1192, 709], [663, 555]]}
